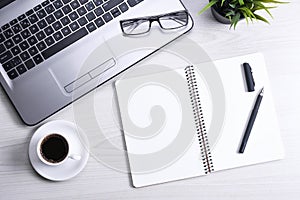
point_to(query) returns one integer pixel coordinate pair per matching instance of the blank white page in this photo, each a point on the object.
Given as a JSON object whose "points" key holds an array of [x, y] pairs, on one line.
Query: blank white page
{"points": [[264, 143], [172, 152]]}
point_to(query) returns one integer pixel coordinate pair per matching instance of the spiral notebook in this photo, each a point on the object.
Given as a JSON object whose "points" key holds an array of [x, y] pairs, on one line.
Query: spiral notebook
{"points": [[190, 122]]}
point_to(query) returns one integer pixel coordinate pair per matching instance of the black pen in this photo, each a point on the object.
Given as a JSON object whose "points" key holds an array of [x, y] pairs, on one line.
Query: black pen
{"points": [[251, 121]]}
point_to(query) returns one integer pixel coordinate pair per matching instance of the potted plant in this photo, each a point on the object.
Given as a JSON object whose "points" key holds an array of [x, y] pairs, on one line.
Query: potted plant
{"points": [[232, 11]]}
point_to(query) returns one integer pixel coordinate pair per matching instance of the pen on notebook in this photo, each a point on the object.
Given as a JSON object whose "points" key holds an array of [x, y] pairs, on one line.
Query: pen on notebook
{"points": [[251, 121]]}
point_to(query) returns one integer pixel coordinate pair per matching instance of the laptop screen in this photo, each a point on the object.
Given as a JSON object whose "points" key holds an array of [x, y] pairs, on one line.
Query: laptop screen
{"points": [[5, 3]]}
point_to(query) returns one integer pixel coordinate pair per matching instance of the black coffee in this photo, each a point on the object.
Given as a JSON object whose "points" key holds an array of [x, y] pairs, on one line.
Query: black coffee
{"points": [[54, 148]]}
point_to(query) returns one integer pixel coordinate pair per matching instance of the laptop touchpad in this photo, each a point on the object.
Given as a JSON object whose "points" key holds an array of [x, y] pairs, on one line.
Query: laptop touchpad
{"points": [[83, 69], [93, 74]]}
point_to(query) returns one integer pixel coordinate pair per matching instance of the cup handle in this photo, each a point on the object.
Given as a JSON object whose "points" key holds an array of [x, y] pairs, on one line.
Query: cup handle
{"points": [[75, 157]]}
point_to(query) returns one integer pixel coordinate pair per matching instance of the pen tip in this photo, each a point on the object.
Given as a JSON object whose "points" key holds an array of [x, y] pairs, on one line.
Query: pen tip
{"points": [[262, 91]]}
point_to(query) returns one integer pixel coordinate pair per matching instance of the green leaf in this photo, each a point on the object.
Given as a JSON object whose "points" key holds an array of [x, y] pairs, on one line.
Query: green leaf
{"points": [[210, 4], [262, 7], [258, 17], [222, 2], [274, 1], [235, 20], [245, 15], [255, 8], [232, 5], [241, 2], [248, 11], [249, 5], [230, 13]]}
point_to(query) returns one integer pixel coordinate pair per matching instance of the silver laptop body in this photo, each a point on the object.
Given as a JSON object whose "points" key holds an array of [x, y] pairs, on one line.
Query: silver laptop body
{"points": [[79, 68]]}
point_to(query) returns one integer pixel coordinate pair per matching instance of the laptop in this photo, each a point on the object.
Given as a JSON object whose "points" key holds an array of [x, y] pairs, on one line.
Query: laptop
{"points": [[53, 52]]}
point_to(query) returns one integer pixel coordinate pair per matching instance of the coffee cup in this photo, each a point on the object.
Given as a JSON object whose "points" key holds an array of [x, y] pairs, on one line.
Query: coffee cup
{"points": [[54, 149]]}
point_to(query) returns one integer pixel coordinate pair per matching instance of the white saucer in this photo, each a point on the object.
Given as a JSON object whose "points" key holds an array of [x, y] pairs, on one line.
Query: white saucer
{"points": [[78, 145]]}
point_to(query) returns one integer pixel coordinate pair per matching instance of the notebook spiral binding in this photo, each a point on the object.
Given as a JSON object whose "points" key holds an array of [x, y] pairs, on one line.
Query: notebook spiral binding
{"points": [[199, 120]]}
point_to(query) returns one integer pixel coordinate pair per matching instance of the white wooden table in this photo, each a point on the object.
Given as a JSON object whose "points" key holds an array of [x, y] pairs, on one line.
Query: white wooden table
{"points": [[280, 43]]}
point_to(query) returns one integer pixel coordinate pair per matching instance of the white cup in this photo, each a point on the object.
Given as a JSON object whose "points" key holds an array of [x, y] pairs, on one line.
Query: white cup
{"points": [[54, 149]]}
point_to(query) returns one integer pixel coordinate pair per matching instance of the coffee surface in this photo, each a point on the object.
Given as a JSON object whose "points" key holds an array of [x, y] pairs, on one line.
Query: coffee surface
{"points": [[54, 148]]}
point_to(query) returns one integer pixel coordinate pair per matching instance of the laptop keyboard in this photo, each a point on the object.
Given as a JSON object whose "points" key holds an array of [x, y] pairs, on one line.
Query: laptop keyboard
{"points": [[51, 26]]}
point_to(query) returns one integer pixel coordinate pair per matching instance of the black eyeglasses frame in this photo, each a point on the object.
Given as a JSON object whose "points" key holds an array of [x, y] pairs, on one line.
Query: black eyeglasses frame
{"points": [[157, 18]]}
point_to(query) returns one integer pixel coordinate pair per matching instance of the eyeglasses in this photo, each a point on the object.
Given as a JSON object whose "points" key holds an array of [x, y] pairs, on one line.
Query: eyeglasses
{"points": [[170, 21]]}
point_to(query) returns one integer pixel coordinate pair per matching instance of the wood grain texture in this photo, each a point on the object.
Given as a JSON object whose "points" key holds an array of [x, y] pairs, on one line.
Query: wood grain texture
{"points": [[279, 42]]}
